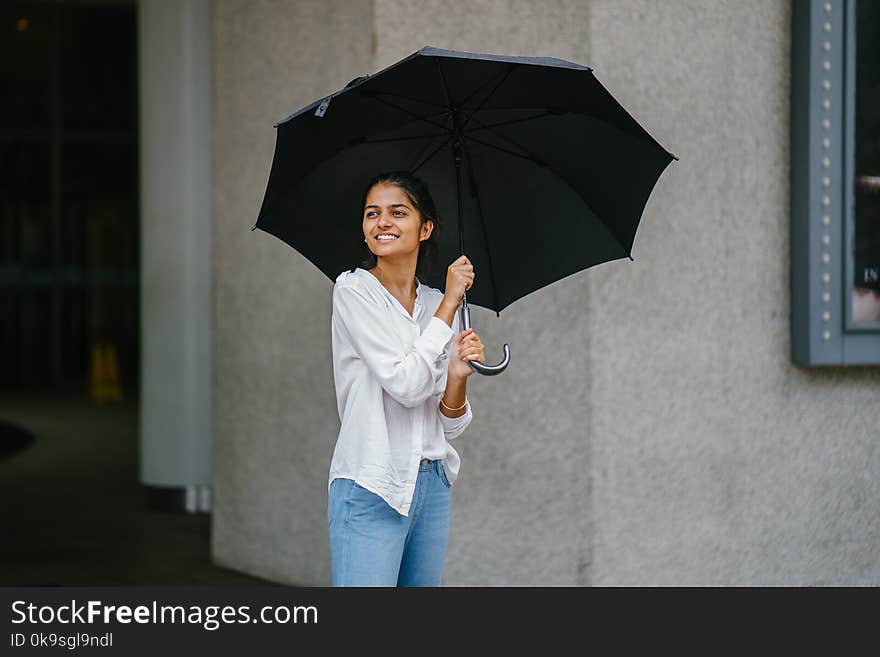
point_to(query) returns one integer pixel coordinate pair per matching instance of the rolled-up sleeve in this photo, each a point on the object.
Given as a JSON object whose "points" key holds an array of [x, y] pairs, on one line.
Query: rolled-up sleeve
{"points": [[408, 377], [454, 426]]}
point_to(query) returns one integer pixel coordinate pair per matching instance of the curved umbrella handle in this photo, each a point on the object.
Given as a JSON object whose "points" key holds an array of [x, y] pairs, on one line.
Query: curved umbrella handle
{"points": [[480, 368]]}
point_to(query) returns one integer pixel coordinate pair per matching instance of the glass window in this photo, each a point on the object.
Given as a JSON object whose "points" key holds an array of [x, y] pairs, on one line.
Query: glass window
{"points": [[866, 206], [69, 224], [835, 182]]}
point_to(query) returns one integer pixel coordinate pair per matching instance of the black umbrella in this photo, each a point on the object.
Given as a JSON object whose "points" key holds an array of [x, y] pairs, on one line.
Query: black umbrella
{"points": [[547, 172]]}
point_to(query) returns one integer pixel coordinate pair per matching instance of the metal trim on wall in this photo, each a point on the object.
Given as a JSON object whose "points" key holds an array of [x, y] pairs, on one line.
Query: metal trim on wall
{"points": [[821, 99]]}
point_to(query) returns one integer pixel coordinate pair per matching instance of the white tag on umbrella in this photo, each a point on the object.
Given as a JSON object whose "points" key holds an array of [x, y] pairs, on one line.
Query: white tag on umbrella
{"points": [[322, 107]]}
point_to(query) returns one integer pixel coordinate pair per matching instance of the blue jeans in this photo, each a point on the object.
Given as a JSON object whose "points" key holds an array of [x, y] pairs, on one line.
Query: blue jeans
{"points": [[371, 544]]}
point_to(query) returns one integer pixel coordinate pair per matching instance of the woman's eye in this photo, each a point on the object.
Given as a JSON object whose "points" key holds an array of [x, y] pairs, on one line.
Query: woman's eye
{"points": [[370, 213]]}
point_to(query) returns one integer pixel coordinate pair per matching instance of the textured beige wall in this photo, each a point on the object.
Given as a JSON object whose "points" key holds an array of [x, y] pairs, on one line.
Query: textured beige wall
{"points": [[275, 410], [650, 428], [715, 459]]}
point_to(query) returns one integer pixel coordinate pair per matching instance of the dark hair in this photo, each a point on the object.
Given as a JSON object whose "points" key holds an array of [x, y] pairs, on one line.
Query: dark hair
{"points": [[417, 191]]}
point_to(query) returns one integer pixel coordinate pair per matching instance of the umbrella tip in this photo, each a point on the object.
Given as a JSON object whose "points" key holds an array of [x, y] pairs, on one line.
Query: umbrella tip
{"points": [[630, 257], [356, 80]]}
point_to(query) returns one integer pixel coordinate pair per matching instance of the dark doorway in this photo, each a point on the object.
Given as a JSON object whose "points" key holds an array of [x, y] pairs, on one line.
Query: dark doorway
{"points": [[69, 225]]}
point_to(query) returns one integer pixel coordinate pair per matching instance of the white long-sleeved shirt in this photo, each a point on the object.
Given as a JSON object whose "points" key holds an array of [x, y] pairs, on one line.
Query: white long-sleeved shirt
{"points": [[390, 368]]}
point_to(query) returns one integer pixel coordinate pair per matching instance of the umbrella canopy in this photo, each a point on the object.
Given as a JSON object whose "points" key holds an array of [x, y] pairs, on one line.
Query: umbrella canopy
{"points": [[536, 169]]}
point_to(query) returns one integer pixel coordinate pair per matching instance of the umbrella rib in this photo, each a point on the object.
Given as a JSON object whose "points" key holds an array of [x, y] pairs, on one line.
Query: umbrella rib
{"points": [[446, 94], [443, 82], [510, 141], [540, 162], [400, 127], [486, 241], [406, 111], [507, 73], [641, 134], [413, 169], [477, 90], [525, 118], [531, 109], [505, 150], [379, 141], [415, 100]]}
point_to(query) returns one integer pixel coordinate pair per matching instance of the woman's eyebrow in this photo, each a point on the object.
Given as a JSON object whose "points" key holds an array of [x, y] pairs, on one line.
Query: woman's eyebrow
{"points": [[393, 205]]}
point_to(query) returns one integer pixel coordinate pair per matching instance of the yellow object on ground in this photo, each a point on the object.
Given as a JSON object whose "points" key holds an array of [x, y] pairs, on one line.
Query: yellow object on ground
{"points": [[104, 383]]}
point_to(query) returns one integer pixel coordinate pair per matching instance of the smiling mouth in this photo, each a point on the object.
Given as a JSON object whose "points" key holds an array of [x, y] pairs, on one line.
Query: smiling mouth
{"points": [[387, 239]]}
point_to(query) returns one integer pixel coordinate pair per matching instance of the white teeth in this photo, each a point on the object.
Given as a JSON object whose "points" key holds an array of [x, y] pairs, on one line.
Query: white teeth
{"points": [[386, 238]]}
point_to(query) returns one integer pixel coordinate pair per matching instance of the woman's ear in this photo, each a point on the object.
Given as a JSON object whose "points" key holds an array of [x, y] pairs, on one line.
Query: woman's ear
{"points": [[427, 229]]}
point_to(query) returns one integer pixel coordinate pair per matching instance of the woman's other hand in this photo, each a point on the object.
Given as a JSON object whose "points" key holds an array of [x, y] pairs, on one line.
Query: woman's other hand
{"points": [[466, 346]]}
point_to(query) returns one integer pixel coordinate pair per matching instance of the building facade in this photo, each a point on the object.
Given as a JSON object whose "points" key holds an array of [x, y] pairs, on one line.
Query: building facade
{"points": [[654, 427]]}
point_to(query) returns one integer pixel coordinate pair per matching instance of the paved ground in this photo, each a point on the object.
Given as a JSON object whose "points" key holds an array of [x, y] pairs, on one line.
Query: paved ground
{"points": [[72, 507]]}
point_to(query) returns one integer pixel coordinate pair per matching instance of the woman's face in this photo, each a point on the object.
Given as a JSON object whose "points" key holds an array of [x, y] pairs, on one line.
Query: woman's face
{"points": [[389, 211]]}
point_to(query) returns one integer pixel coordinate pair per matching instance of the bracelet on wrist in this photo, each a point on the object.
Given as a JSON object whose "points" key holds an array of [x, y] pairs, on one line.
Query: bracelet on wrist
{"points": [[448, 408]]}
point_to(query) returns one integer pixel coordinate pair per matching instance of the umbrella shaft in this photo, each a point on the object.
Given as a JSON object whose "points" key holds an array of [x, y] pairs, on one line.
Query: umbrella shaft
{"points": [[464, 314], [465, 319], [456, 156]]}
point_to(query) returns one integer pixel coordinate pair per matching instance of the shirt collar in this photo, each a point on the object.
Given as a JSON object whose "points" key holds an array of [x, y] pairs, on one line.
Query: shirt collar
{"points": [[419, 293]]}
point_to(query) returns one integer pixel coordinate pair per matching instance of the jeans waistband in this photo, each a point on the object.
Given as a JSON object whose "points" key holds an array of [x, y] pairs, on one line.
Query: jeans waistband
{"points": [[428, 464]]}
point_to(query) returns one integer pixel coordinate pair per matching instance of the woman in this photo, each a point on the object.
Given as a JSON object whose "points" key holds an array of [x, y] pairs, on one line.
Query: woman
{"points": [[401, 392]]}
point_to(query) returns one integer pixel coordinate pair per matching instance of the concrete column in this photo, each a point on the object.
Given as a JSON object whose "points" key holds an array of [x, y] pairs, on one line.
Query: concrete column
{"points": [[175, 159]]}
